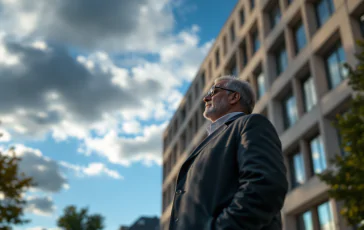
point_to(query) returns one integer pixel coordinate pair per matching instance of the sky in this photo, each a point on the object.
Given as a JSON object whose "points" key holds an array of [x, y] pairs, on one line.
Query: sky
{"points": [[87, 88]]}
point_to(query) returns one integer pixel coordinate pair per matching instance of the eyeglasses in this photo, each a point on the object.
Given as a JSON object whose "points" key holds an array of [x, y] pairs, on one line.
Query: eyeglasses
{"points": [[212, 92]]}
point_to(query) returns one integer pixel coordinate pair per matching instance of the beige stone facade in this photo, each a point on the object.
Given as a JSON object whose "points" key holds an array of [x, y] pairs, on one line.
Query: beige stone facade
{"points": [[295, 67]]}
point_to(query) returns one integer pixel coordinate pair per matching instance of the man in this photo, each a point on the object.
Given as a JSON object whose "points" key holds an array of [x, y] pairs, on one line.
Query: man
{"points": [[236, 178]]}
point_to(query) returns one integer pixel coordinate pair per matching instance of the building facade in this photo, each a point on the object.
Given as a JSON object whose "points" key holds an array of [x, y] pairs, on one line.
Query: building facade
{"points": [[291, 51]]}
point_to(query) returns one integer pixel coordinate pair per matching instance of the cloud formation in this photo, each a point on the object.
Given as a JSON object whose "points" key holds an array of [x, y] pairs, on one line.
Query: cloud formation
{"points": [[145, 148], [46, 175], [40, 206], [45, 172], [49, 88], [4, 135], [113, 25], [93, 169], [114, 108]]}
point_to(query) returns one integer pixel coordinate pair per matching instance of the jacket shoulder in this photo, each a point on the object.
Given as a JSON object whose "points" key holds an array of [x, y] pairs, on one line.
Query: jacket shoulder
{"points": [[252, 118]]}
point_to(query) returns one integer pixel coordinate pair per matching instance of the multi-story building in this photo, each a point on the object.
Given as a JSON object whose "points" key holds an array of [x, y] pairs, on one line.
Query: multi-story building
{"points": [[291, 51]]}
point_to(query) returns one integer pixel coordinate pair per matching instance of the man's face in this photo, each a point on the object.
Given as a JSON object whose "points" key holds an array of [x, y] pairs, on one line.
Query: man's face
{"points": [[216, 105]]}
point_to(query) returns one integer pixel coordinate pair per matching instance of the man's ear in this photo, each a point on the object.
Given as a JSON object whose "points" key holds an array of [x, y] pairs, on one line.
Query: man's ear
{"points": [[235, 98]]}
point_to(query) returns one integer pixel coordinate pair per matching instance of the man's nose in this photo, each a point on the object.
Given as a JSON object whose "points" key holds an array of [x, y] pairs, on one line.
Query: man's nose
{"points": [[207, 98]]}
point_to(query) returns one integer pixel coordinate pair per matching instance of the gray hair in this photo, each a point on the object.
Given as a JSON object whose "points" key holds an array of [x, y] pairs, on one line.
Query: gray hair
{"points": [[247, 96]]}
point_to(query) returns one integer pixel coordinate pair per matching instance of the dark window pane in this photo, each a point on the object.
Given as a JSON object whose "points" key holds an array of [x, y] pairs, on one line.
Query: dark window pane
{"points": [[242, 17], [305, 221], [298, 170], [256, 42], [309, 94], [217, 58], [245, 55], [325, 216], [340, 140], [290, 111], [252, 4], [224, 41], [260, 85], [361, 23], [275, 16], [318, 155], [324, 10], [300, 37], [335, 69], [281, 60], [341, 59], [232, 33], [233, 70]]}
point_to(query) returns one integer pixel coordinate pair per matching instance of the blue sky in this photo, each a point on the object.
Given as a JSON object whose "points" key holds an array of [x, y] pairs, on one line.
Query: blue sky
{"points": [[88, 87]]}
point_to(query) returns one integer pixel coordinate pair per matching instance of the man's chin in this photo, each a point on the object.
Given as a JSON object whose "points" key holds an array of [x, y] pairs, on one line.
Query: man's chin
{"points": [[207, 114]]}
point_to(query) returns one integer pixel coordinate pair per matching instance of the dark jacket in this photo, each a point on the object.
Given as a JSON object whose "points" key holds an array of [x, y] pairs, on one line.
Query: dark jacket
{"points": [[234, 180]]}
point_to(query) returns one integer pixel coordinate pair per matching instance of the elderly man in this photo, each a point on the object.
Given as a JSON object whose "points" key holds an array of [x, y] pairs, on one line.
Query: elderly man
{"points": [[236, 178]]}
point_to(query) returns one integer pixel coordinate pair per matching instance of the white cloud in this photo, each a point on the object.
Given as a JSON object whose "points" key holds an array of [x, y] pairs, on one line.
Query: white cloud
{"points": [[131, 127], [45, 172], [146, 148], [93, 169], [42, 206], [120, 25], [42, 228], [4, 135], [91, 95]]}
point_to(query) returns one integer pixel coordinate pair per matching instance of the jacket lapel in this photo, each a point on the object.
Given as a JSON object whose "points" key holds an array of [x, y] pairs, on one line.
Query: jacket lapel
{"points": [[198, 149]]}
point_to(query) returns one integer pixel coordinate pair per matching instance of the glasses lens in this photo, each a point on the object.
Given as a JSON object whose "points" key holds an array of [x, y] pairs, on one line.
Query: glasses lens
{"points": [[212, 91]]}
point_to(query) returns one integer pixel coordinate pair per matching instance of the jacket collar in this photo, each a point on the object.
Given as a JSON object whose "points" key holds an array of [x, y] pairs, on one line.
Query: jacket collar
{"points": [[215, 125], [222, 127]]}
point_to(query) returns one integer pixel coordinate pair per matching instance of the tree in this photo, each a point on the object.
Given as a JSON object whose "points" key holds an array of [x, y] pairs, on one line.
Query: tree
{"points": [[346, 180], [80, 220], [12, 185]]}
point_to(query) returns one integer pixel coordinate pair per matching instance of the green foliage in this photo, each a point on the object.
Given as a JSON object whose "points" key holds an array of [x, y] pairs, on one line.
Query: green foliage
{"points": [[80, 220], [12, 185], [346, 182]]}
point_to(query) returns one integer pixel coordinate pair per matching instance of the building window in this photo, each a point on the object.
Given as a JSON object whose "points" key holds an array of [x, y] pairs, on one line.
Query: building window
{"points": [[256, 41], [300, 37], [297, 170], [210, 70], [274, 16], [233, 70], [217, 58], [225, 48], [183, 115], [324, 10], [318, 155], [304, 221], [232, 32], [252, 4], [361, 24], [341, 142], [244, 54], [281, 60], [260, 84], [334, 66], [242, 17], [203, 81], [190, 100], [325, 216], [289, 111], [309, 94]]}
